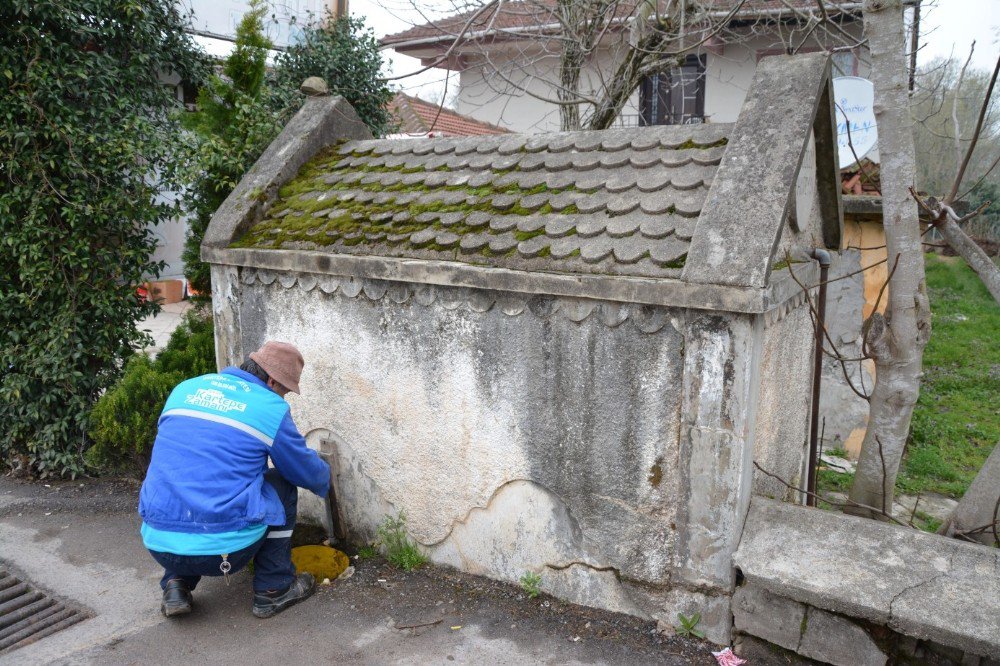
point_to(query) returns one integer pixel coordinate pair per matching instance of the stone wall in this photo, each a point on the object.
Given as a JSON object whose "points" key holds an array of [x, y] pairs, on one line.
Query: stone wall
{"points": [[605, 446], [850, 591], [517, 434], [781, 441]]}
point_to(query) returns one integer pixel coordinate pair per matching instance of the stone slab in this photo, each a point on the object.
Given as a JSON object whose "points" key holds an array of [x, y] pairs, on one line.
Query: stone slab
{"points": [[833, 639], [918, 584], [761, 161], [774, 618]]}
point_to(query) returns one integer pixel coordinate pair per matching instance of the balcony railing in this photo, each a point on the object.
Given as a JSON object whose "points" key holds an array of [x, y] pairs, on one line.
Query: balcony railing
{"points": [[635, 120]]}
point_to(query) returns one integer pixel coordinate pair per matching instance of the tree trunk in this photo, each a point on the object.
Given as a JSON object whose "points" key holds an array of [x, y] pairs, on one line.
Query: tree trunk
{"points": [[978, 511], [967, 248], [648, 43], [897, 340], [570, 63]]}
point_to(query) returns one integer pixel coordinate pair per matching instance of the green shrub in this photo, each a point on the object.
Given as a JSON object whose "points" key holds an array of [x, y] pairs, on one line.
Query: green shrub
{"points": [[191, 348], [398, 548], [89, 142], [124, 419]]}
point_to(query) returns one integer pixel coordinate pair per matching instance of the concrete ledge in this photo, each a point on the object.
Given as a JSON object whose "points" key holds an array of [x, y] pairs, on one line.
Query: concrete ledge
{"points": [[921, 585], [648, 291], [322, 121], [759, 170]]}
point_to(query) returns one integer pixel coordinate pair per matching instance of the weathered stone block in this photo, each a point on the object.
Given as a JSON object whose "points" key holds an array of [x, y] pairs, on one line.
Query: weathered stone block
{"points": [[917, 584], [776, 619], [716, 616], [836, 640]]}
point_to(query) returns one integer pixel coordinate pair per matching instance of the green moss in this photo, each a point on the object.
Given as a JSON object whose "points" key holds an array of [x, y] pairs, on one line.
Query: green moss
{"points": [[784, 263], [691, 143], [298, 202], [678, 262], [526, 235]]}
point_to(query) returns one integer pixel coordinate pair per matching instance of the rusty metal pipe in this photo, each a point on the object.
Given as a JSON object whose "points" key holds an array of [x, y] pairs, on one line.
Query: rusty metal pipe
{"points": [[824, 259]]}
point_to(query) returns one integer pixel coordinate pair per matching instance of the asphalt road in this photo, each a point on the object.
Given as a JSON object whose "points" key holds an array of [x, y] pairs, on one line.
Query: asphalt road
{"points": [[80, 541]]}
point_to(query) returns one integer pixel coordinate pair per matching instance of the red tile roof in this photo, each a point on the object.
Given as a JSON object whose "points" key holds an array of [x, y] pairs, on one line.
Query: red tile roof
{"points": [[519, 14], [416, 116]]}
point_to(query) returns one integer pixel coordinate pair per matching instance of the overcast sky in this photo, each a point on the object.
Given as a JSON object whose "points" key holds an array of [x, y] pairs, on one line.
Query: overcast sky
{"points": [[948, 27]]}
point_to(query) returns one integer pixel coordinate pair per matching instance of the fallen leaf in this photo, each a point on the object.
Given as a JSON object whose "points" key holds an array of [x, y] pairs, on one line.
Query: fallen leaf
{"points": [[456, 627]]}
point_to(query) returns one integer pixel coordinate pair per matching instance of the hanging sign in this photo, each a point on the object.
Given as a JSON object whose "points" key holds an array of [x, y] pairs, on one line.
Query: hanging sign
{"points": [[854, 99]]}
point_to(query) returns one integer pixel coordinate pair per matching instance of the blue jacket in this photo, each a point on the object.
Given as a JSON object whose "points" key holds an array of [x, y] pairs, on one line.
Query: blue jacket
{"points": [[214, 437]]}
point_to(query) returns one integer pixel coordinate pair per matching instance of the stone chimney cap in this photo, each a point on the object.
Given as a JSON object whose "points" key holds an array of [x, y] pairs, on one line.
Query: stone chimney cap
{"points": [[314, 86]]}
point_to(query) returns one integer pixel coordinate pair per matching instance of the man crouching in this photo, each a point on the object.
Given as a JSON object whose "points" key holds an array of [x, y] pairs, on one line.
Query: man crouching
{"points": [[209, 503]]}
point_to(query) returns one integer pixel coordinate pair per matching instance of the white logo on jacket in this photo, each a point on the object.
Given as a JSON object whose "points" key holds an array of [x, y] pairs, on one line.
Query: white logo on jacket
{"points": [[216, 400]]}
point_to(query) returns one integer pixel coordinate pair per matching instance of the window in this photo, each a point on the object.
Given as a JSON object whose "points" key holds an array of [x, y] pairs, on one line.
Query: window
{"points": [[845, 63], [676, 96]]}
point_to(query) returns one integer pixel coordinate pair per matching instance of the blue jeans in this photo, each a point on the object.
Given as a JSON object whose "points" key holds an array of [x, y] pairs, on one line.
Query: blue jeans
{"points": [[271, 555]]}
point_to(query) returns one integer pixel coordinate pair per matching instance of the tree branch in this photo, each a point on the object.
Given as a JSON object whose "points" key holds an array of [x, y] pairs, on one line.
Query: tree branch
{"points": [[975, 137]]}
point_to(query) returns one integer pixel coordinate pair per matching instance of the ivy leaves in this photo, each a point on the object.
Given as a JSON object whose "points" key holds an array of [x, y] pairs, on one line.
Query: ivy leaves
{"points": [[87, 145]]}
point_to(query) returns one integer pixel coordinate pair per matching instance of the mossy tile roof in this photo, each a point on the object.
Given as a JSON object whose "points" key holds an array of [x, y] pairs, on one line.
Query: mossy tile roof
{"points": [[618, 202]]}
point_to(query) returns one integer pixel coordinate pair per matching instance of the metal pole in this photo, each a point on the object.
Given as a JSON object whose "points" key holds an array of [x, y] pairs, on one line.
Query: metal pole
{"points": [[823, 257]]}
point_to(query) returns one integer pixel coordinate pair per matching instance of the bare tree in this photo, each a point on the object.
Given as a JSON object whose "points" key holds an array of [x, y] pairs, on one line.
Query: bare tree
{"points": [[943, 215], [895, 341], [587, 58], [942, 96]]}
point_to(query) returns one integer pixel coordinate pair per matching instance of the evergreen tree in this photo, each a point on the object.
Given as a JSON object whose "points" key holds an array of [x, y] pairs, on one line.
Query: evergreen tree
{"points": [[235, 121], [346, 55]]}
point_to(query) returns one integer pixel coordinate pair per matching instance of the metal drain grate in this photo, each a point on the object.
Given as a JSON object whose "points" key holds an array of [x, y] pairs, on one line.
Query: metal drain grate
{"points": [[28, 615]]}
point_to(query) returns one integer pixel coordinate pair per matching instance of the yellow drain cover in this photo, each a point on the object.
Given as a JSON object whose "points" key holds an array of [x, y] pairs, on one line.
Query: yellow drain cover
{"points": [[321, 561]]}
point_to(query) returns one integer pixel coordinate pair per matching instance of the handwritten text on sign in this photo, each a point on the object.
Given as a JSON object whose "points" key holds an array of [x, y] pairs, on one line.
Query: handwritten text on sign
{"points": [[855, 118]]}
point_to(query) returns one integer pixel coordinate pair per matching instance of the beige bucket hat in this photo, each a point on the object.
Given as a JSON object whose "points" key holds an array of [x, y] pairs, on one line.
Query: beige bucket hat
{"points": [[282, 361]]}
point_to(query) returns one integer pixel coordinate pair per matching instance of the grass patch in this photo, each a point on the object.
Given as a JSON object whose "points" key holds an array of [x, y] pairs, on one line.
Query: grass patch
{"points": [[398, 548], [956, 422], [828, 481], [531, 583]]}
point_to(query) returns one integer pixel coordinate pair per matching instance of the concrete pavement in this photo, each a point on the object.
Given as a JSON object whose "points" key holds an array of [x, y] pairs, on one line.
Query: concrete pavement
{"points": [[80, 541], [161, 325]]}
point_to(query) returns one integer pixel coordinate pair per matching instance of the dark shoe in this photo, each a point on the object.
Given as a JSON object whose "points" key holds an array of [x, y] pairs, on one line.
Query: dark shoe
{"points": [[268, 604], [176, 599]]}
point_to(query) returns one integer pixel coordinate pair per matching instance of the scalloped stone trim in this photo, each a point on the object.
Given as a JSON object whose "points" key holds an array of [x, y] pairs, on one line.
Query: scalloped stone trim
{"points": [[647, 318]]}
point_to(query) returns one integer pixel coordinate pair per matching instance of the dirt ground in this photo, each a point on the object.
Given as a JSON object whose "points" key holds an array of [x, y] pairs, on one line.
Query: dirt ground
{"points": [[80, 540]]}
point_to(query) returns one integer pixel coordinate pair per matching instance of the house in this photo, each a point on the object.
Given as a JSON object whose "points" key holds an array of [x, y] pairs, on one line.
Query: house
{"points": [[560, 352], [419, 118], [508, 62]]}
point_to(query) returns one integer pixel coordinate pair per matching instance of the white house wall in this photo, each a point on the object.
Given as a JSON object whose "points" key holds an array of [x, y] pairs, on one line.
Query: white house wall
{"points": [[491, 99], [521, 106]]}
